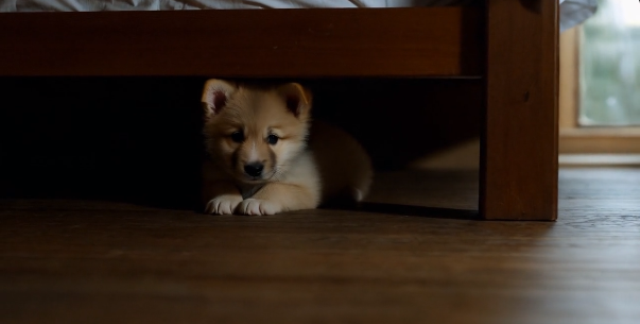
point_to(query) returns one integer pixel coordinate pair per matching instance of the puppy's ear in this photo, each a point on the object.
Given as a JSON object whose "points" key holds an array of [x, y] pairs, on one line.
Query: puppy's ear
{"points": [[297, 98], [215, 95]]}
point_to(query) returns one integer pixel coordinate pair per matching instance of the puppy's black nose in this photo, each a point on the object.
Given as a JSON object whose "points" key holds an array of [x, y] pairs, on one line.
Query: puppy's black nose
{"points": [[254, 169]]}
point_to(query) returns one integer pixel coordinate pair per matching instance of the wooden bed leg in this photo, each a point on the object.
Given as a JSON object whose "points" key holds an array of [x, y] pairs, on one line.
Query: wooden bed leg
{"points": [[519, 162]]}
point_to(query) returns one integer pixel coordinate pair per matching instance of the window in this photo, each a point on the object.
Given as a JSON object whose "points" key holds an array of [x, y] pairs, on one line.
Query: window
{"points": [[610, 65], [600, 82]]}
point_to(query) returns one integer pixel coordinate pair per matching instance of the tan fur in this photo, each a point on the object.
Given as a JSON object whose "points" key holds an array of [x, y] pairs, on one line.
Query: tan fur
{"points": [[300, 170]]}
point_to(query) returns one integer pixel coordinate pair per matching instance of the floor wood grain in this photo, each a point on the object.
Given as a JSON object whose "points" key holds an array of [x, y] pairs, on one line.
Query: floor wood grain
{"points": [[79, 261]]}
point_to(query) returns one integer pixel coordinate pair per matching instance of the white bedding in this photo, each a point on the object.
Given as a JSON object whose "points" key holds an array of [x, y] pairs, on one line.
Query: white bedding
{"points": [[572, 12], [115, 5]]}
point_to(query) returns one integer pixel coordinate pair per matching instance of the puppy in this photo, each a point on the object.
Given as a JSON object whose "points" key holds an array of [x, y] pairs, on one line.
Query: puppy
{"points": [[266, 156]]}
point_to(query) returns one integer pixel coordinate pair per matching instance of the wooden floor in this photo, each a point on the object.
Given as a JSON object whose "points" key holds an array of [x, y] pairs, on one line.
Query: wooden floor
{"points": [[72, 261]]}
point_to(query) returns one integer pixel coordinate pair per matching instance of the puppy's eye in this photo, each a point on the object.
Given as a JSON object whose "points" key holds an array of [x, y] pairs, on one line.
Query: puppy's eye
{"points": [[272, 139], [237, 137]]}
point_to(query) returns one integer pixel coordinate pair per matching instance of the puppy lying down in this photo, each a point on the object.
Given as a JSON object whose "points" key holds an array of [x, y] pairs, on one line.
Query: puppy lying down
{"points": [[266, 156]]}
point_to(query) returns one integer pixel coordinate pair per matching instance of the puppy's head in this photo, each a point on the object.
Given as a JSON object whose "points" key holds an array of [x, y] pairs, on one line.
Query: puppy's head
{"points": [[254, 133]]}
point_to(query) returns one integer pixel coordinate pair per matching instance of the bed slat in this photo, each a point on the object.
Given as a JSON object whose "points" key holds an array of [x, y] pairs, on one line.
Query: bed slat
{"points": [[245, 43]]}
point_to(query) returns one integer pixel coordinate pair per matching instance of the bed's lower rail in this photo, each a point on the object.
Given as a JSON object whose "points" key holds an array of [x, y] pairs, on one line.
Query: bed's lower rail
{"points": [[245, 43]]}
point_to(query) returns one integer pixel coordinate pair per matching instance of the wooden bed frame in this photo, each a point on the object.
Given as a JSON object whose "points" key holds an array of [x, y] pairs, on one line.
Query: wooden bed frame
{"points": [[512, 45]]}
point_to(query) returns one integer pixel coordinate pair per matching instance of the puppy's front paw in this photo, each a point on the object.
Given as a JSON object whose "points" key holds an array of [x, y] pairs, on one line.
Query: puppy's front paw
{"points": [[257, 207], [223, 205]]}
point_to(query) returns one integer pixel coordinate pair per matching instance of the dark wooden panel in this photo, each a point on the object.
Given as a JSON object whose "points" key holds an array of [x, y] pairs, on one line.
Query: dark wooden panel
{"points": [[244, 43], [520, 160]]}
